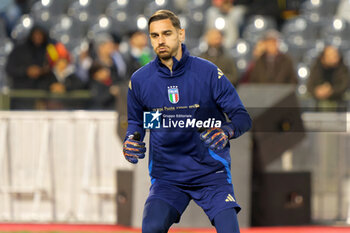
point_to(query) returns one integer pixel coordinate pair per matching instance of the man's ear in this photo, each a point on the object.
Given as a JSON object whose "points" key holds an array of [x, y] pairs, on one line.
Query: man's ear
{"points": [[182, 35]]}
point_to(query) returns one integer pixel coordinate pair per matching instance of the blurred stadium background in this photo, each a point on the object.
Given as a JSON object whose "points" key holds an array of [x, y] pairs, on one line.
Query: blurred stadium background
{"points": [[67, 166]]}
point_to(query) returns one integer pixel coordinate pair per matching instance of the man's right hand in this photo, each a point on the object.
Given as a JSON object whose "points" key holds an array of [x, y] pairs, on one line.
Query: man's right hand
{"points": [[34, 71], [133, 149]]}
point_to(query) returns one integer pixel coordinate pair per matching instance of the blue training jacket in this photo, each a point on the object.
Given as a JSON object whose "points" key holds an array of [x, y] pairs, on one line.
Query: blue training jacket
{"points": [[195, 87]]}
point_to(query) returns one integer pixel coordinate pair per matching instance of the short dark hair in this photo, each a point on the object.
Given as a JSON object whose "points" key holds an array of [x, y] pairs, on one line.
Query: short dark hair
{"points": [[165, 14]]}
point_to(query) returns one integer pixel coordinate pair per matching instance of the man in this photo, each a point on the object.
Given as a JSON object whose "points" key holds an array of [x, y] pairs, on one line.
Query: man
{"points": [[139, 54], [233, 16], [329, 78], [184, 164], [273, 66], [27, 64], [217, 55]]}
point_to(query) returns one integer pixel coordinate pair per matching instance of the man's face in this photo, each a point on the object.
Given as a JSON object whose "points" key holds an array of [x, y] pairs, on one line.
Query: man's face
{"points": [[330, 57], [139, 40], [38, 37], [106, 48], [165, 38], [214, 38], [271, 46]]}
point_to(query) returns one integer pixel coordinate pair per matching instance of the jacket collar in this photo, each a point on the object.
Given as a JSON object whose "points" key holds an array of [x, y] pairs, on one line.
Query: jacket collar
{"points": [[178, 66]]}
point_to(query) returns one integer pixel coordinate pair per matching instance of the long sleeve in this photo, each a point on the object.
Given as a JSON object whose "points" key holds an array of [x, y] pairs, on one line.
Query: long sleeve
{"points": [[135, 111], [16, 67], [341, 81], [228, 100]]}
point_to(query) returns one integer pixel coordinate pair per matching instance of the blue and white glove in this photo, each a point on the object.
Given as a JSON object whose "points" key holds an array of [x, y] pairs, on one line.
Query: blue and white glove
{"points": [[217, 138], [133, 149]]}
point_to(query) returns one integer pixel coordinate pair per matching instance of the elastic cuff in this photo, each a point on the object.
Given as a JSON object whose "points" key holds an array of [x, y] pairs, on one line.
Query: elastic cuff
{"points": [[228, 131]]}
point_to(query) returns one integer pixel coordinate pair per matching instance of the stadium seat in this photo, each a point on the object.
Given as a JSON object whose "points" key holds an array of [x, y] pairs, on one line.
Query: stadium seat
{"points": [[125, 6], [120, 16], [195, 24], [311, 54], [318, 12], [242, 54], [297, 45], [300, 35], [198, 5], [155, 5], [69, 31], [41, 14], [103, 24], [3, 33], [317, 8], [86, 11], [22, 28], [301, 26], [6, 46], [303, 73], [256, 26], [336, 31], [193, 34]]}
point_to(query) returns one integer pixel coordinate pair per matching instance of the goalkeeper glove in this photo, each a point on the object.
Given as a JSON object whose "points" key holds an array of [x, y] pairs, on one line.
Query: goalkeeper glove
{"points": [[133, 149], [217, 138]]}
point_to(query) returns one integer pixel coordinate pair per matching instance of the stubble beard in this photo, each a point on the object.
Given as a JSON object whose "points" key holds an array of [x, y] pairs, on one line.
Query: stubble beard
{"points": [[168, 55]]}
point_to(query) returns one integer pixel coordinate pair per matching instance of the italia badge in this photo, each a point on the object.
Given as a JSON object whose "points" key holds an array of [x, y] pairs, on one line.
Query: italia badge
{"points": [[173, 94]]}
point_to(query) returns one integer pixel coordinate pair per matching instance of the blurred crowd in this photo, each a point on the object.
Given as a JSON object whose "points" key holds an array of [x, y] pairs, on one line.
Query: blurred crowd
{"points": [[97, 45]]}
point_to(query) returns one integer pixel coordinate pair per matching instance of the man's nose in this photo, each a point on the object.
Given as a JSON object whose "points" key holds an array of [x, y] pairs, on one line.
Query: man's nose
{"points": [[161, 40]]}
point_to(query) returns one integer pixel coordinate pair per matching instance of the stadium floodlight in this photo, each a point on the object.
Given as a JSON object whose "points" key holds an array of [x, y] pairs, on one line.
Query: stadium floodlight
{"points": [[283, 46], [242, 47], [319, 45], [199, 3], [303, 72], [338, 24], [66, 22], [298, 40], [83, 16], [84, 46], [141, 23], [46, 2], [315, 2], [122, 2], [220, 23], [302, 89], [160, 2], [259, 23], [121, 16], [300, 24], [27, 22], [336, 41], [45, 15], [314, 17], [65, 38], [198, 16], [242, 64], [83, 2], [103, 22]]}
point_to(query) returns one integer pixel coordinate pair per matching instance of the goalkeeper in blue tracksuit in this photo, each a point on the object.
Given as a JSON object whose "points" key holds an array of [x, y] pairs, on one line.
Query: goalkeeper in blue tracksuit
{"points": [[183, 99]]}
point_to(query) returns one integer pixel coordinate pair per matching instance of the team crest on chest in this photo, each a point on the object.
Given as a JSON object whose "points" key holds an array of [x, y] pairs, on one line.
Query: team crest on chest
{"points": [[173, 94]]}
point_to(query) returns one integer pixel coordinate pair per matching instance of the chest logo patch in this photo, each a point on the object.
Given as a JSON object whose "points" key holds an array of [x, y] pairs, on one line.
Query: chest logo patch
{"points": [[173, 94]]}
